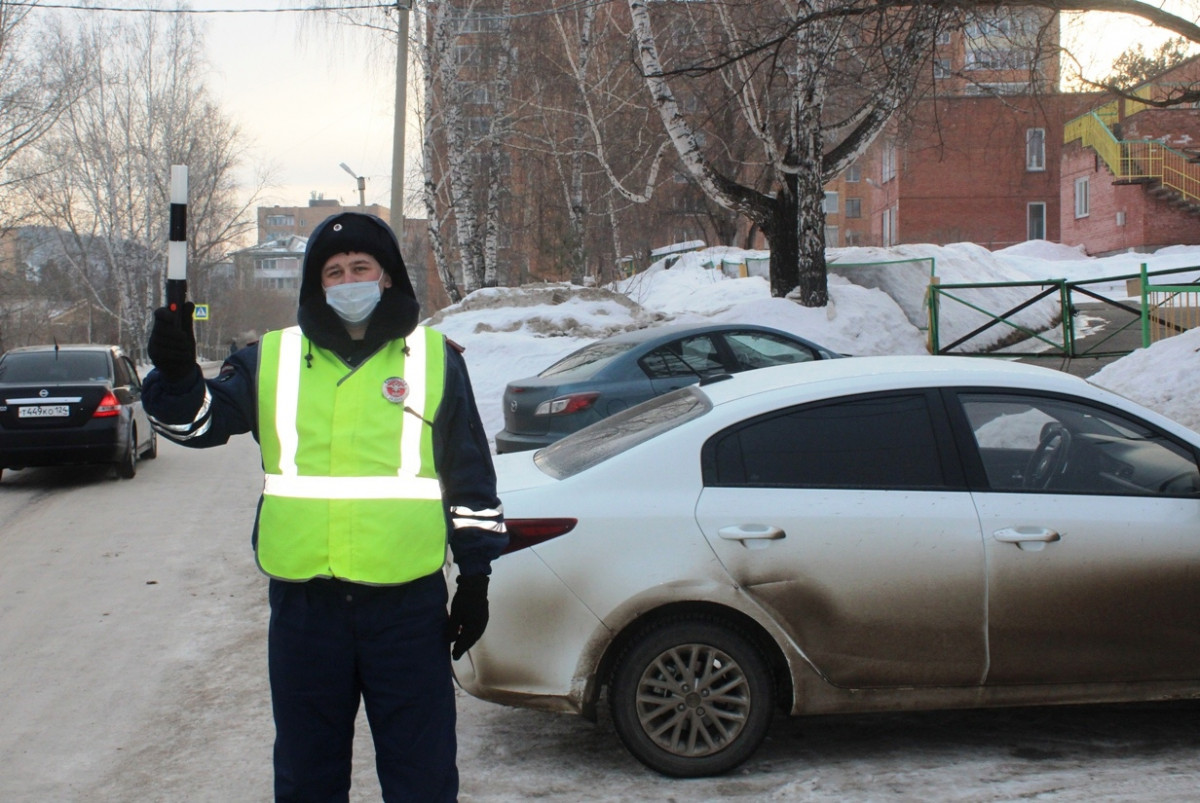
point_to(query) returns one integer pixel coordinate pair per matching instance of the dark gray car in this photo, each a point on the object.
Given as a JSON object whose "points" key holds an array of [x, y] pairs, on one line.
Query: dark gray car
{"points": [[610, 375]]}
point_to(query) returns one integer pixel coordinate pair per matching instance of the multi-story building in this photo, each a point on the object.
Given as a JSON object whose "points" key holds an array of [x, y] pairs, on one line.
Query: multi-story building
{"points": [[276, 222], [976, 158], [998, 159], [1131, 171]]}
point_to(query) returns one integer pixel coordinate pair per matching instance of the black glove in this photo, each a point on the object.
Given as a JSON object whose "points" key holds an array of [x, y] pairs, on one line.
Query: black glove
{"points": [[172, 346], [468, 613]]}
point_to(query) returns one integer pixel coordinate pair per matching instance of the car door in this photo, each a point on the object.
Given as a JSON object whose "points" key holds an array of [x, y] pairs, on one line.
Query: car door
{"points": [[849, 523], [128, 374], [681, 362], [1092, 539]]}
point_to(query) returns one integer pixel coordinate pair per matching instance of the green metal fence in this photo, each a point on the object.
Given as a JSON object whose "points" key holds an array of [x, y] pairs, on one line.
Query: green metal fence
{"points": [[1167, 309], [1120, 336]]}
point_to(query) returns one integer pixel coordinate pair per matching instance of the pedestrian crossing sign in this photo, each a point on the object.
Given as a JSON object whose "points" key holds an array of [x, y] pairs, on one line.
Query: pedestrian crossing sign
{"points": [[200, 313]]}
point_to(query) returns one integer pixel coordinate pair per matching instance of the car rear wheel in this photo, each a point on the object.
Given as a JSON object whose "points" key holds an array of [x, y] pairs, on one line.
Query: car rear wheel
{"points": [[127, 465], [691, 697]]}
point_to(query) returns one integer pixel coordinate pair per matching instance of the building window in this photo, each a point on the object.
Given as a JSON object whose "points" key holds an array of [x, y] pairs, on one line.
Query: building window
{"points": [[480, 95], [1036, 214], [996, 59], [854, 207], [890, 232], [478, 22], [281, 220], [830, 206], [941, 68], [853, 174], [1083, 205], [994, 89], [1035, 149], [943, 37], [831, 237], [888, 169], [467, 56]]}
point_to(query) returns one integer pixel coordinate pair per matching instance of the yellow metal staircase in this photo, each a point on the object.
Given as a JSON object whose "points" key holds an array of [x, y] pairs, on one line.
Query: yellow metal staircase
{"points": [[1172, 172]]}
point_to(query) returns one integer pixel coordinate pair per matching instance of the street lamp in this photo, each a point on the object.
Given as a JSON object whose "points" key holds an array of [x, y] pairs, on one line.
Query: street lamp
{"points": [[362, 184]]}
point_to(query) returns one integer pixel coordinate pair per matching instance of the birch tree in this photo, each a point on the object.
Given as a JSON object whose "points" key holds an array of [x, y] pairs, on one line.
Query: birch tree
{"points": [[815, 82], [101, 176], [466, 51], [596, 130], [813, 89], [38, 81]]}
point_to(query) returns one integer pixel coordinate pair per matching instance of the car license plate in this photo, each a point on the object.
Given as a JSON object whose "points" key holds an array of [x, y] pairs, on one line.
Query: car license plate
{"points": [[44, 411]]}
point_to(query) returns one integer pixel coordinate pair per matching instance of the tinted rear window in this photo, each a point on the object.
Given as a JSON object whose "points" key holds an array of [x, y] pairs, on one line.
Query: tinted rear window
{"points": [[587, 361], [49, 366], [881, 442]]}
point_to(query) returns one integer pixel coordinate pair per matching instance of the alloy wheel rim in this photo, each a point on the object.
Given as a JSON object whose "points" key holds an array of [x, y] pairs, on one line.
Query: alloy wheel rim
{"points": [[693, 700]]}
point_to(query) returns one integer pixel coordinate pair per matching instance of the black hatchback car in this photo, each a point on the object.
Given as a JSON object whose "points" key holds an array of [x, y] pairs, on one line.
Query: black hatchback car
{"points": [[76, 404], [617, 372]]}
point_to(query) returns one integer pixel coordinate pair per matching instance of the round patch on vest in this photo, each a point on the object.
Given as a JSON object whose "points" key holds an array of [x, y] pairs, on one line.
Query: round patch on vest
{"points": [[395, 390]]}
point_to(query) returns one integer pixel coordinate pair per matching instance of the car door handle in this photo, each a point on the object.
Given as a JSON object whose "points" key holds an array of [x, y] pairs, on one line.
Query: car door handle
{"points": [[752, 536], [1033, 539]]}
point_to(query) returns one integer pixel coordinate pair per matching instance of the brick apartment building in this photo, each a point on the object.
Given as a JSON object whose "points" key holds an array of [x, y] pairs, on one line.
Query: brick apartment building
{"points": [[1130, 175], [976, 158], [999, 169], [280, 222]]}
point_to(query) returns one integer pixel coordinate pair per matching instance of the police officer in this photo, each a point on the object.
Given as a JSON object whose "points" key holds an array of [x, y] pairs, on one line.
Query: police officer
{"points": [[375, 459]]}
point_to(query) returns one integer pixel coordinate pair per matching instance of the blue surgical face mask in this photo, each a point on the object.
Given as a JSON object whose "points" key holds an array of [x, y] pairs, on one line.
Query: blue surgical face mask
{"points": [[353, 301]]}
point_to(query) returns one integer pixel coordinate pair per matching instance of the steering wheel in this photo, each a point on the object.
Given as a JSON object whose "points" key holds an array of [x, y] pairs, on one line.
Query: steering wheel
{"points": [[1050, 456]]}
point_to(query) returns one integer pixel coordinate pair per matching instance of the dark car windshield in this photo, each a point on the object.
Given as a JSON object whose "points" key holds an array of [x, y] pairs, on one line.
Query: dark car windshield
{"points": [[594, 444], [587, 361], [51, 366]]}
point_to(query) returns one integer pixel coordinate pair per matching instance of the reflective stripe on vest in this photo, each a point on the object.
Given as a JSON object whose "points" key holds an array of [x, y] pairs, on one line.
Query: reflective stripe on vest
{"points": [[350, 490]]}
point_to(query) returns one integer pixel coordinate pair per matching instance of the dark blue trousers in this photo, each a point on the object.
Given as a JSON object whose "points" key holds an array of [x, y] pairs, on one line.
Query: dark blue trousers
{"points": [[332, 643]]}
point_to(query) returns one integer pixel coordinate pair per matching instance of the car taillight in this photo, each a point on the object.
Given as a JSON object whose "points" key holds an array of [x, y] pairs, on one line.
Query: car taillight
{"points": [[524, 533], [567, 404], [108, 406]]}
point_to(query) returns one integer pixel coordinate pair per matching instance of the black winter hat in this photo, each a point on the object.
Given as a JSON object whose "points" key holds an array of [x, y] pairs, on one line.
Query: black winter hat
{"points": [[353, 231]]}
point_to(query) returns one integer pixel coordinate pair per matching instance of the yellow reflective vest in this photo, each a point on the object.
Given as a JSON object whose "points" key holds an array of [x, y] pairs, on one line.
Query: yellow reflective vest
{"points": [[350, 489]]}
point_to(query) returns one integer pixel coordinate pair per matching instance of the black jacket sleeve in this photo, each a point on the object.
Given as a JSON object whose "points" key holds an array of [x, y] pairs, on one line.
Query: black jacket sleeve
{"points": [[199, 412], [464, 464]]}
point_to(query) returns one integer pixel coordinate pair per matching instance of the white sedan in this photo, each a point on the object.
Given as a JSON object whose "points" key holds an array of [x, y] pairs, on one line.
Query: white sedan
{"points": [[871, 534]]}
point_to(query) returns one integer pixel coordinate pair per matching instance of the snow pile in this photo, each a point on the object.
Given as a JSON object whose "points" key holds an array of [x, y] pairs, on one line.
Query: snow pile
{"points": [[511, 333], [1164, 377]]}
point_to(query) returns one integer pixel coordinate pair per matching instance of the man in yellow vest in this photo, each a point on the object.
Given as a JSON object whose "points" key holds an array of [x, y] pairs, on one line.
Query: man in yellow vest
{"points": [[375, 461]]}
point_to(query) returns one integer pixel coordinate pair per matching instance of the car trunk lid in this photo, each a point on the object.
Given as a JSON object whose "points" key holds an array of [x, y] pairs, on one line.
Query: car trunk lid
{"points": [[521, 400], [45, 406]]}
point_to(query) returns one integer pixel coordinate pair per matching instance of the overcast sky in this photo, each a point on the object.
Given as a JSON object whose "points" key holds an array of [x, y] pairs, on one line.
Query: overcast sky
{"points": [[311, 94]]}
